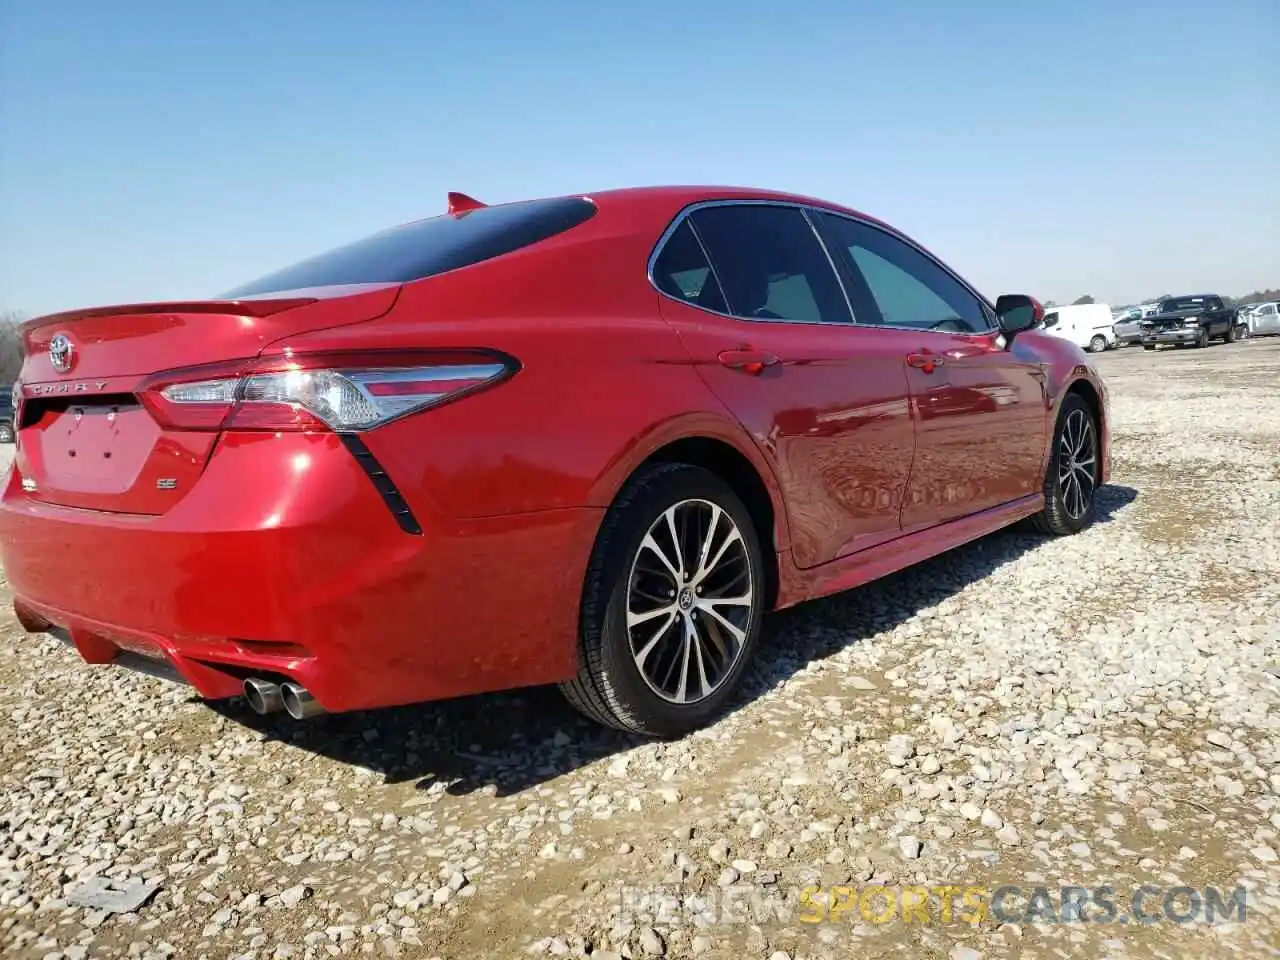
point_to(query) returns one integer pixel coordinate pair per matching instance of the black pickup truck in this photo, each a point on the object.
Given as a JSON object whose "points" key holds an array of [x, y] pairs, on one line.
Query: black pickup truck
{"points": [[6, 413], [1195, 319]]}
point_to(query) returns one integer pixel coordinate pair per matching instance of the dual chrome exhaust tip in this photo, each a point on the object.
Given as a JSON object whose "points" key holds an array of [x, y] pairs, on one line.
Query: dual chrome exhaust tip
{"points": [[267, 696]]}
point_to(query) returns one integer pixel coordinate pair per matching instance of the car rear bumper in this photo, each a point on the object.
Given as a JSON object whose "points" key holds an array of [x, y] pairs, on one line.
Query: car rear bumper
{"points": [[284, 561]]}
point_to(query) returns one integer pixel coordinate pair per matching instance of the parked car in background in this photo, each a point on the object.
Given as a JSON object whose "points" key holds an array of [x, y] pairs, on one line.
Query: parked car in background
{"points": [[1087, 325], [6, 413], [1264, 319], [587, 440], [1128, 326], [1191, 320]]}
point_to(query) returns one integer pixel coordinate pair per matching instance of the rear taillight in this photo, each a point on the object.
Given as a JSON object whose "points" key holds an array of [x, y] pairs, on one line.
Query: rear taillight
{"points": [[341, 392]]}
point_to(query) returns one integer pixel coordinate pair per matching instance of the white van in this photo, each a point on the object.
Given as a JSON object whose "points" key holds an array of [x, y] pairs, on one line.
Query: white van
{"points": [[1087, 325]]}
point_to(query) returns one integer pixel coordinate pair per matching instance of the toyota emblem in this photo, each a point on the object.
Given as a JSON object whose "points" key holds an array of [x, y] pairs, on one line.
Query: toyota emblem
{"points": [[62, 353]]}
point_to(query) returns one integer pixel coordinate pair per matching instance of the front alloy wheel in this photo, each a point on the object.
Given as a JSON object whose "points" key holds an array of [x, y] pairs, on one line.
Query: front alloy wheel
{"points": [[1071, 482], [672, 604]]}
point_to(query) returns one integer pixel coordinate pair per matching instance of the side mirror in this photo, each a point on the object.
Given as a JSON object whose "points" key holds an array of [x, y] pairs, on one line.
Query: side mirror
{"points": [[1016, 312]]}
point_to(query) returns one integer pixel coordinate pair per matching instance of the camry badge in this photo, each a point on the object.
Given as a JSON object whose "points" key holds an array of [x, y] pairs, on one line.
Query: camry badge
{"points": [[62, 353]]}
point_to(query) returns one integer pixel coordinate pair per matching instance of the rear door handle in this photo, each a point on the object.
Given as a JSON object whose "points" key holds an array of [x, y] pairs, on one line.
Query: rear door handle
{"points": [[925, 362], [748, 361]]}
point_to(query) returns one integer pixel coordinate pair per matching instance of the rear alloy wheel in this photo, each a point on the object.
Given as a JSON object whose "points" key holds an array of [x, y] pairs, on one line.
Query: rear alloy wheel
{"points": [[6, 433], [1098, 344], [1071, 482], [672, 604]]}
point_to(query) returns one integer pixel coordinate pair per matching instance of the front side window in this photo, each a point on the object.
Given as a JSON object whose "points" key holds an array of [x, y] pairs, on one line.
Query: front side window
{"points": [[908, 287], [428, 247], [770, 264]]}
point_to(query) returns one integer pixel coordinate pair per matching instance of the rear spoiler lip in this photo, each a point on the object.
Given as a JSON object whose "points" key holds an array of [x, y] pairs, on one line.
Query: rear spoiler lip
{"points": [[259, 305]]}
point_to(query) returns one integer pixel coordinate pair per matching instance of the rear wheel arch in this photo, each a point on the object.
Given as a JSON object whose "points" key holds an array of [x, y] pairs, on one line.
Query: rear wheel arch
{"points": [[713, 445], [735, 469]]}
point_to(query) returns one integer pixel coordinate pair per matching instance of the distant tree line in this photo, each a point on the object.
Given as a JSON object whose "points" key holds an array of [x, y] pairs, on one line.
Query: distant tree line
{"points": [[1258, 296], [10, 347]]}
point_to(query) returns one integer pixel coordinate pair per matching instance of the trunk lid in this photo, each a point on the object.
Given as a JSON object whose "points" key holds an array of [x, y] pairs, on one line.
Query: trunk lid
{"points": [[85, 438]]}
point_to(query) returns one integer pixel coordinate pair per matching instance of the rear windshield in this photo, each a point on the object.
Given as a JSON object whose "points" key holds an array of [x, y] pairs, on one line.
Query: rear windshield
{"points": [[428, 247]]}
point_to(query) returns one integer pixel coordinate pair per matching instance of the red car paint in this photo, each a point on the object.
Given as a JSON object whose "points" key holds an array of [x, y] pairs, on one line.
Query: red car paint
{"points": [[232, 552]]}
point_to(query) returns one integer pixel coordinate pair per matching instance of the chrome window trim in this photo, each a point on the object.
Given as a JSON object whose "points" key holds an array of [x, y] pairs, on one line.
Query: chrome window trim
{"points": [[711, 267], [817, 235], [807, 210], [692, 208]]}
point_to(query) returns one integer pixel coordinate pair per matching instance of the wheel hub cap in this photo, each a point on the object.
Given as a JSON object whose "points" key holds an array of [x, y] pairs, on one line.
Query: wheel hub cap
{"points": [[690, 601], [1077, 464]]}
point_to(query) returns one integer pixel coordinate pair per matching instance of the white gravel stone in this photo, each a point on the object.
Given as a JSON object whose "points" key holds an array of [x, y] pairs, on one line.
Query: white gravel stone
{"points": [[652, 943], [1008, 834], [295, 895]]}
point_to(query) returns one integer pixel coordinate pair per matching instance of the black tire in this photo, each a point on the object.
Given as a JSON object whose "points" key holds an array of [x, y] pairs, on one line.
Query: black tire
{"points": [[6, 433], [1098, 344], [1232, 334], [610, 687], [1202, 340], [1062, 514], [1148, 346]]}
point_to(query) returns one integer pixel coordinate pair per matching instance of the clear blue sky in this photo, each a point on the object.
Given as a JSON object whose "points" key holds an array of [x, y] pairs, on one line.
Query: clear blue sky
{"points": [[176, 148]]}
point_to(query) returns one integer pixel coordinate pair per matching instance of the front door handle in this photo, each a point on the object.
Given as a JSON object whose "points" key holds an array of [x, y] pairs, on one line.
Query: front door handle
{"points": [[748, 361], [925, 362]]}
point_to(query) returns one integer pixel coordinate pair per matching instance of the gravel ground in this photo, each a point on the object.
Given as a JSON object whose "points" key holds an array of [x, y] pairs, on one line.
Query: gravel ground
{"points": [[1100, 710]]}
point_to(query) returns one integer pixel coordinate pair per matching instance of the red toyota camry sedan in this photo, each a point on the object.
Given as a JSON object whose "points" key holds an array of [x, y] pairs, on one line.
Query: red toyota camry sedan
{"points": [[586, 440]]}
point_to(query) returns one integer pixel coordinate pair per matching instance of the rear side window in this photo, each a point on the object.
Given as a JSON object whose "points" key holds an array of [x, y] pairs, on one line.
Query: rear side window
{"points": [[770, 264], [428, 247], [681, 271]]}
